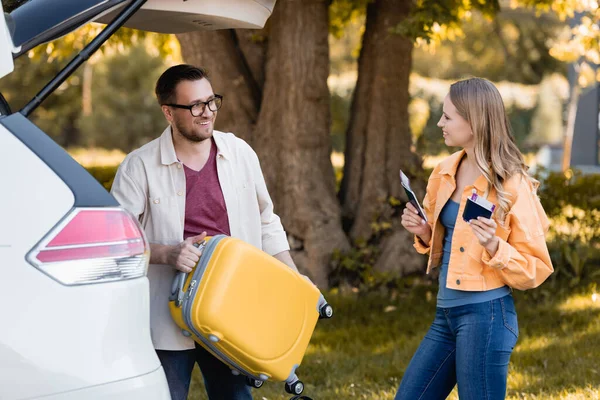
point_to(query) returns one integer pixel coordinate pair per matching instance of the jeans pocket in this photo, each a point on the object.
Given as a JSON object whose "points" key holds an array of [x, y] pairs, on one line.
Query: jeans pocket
{"points": [[509, 315]]}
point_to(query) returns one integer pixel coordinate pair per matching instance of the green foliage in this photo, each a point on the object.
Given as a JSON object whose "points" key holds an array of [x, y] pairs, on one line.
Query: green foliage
{"points": [[104, 175], [58, 114], [356, 267], [339, 174], [434, 19], [431, 141], [340, 113], [514, 46], [345, 41], [342, 12], [581, 44], [573, 204], [574, 245], [66, 46], [558, 190], [418, 109], [123, 38], [125, 113]]}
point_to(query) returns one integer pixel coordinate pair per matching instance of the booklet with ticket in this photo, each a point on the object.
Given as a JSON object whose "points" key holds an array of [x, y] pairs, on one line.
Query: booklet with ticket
{"points": [[412, 198], [477, 206]]}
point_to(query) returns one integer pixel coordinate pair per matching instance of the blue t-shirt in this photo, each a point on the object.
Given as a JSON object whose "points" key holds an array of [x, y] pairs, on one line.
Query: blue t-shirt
{"points": [[449, 297]]}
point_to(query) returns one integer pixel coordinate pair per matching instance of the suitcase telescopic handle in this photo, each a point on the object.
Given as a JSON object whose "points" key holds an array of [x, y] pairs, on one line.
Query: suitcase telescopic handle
{"points": [[177, 292]]}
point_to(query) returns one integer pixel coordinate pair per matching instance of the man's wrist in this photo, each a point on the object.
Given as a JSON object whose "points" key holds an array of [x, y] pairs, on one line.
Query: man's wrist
{"points": [[159, 253], [286, 258]]}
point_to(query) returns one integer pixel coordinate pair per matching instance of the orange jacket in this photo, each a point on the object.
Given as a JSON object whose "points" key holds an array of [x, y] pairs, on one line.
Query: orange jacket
{"points": [[522, 260]]}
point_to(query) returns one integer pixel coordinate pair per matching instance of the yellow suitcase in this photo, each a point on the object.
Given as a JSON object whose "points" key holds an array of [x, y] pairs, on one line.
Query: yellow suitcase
{"points": [[248, 309]]}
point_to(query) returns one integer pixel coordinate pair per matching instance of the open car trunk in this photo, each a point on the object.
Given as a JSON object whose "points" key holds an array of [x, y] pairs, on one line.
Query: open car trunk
{"points": [[30, 23], [33, 22]]}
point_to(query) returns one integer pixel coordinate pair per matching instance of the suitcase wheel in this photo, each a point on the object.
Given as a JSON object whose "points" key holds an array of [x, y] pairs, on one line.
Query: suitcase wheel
{"points": [[295, 388], [326, 311], [253, 382], [186, 333]]}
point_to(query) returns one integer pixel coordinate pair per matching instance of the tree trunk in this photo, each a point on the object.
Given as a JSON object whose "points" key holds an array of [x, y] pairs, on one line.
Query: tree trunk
{"points": [[86, 98], [292, 134], [571, 117], [276, 97], [235, 67], [378, 137]]}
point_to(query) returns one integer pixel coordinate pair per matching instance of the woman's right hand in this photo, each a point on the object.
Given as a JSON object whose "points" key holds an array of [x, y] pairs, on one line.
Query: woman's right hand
{"points": [[415, 224]]}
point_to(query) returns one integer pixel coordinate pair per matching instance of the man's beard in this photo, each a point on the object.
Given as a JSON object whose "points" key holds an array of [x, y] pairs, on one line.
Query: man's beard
{"points": [[189, 133]]}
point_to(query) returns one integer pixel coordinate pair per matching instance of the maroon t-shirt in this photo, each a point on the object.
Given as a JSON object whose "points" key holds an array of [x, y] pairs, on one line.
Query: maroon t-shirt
{"points": [[205, 209]]}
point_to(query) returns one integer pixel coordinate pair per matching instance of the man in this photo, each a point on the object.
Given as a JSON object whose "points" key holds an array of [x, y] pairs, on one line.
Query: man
{"points": [[190, 182]]}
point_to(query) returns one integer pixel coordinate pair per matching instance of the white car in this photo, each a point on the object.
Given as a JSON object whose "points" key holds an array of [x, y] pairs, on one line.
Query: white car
{"points": [[74, 309]]}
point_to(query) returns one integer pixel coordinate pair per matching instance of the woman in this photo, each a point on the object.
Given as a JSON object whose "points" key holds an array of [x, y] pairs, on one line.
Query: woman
{"points": [[481, 261]]}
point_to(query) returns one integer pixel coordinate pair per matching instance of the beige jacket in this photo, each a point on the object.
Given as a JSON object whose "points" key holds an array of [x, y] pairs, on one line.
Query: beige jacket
{"points": [[150, 183]]}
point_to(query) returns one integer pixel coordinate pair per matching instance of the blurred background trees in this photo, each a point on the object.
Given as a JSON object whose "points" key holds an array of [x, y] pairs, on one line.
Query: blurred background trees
{"points": [[335, 97]]}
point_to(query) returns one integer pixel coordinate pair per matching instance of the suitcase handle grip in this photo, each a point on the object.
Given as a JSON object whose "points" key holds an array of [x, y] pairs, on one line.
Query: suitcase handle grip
{"points": [[179, 281]]}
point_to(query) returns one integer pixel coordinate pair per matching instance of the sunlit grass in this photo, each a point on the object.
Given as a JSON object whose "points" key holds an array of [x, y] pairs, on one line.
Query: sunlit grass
{"points": [[580, 302], [96, 157], [363, 351]]}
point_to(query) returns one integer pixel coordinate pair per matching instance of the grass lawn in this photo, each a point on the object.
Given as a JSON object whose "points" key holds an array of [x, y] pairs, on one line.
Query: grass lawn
{"points": [[362, 352]]}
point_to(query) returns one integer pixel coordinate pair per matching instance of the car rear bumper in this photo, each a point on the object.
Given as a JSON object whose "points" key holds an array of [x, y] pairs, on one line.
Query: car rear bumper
{"points": [[151, 386]]}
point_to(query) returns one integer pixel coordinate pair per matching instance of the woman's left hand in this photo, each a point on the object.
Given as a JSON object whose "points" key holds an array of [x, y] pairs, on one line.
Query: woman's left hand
{"points": [[485, 231]]}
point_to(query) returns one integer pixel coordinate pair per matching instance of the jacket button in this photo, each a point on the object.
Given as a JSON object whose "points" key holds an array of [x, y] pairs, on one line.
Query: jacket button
{"points": [[458, 281], [462, 249]]}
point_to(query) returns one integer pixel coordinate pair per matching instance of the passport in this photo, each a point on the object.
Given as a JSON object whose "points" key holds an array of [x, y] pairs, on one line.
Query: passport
{"points": [[477, 206], [412, 198]]}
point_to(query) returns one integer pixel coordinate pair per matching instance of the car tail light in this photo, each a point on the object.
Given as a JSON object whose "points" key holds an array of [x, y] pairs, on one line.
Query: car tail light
{"points": [[93, 245]]}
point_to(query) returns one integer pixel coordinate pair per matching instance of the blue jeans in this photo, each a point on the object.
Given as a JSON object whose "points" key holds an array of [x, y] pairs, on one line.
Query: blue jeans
{"points": [[469, 345], [220, 383]]}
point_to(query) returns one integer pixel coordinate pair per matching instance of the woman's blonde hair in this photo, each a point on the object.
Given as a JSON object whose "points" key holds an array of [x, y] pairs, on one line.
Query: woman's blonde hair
{"points": [[479, 102]]}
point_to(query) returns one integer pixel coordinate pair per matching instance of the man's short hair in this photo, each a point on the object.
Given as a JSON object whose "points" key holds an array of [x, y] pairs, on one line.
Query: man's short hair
{"points": [[168, 81]]}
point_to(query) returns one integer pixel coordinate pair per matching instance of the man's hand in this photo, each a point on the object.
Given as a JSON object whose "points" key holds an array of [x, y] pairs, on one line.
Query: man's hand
{"points": [[184, 256]]}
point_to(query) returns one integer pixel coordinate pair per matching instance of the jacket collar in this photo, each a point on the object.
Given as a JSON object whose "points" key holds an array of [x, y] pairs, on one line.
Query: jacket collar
{"points": [[450, 165], [167, 148]]}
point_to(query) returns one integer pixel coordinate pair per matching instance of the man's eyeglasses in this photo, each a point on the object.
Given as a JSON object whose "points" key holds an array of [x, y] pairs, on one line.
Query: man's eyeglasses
{"points": [[198, 108]]}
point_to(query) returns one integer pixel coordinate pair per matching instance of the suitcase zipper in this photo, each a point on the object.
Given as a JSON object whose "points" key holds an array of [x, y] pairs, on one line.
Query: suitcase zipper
{"points": [[191, 288], [187, 304]]}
